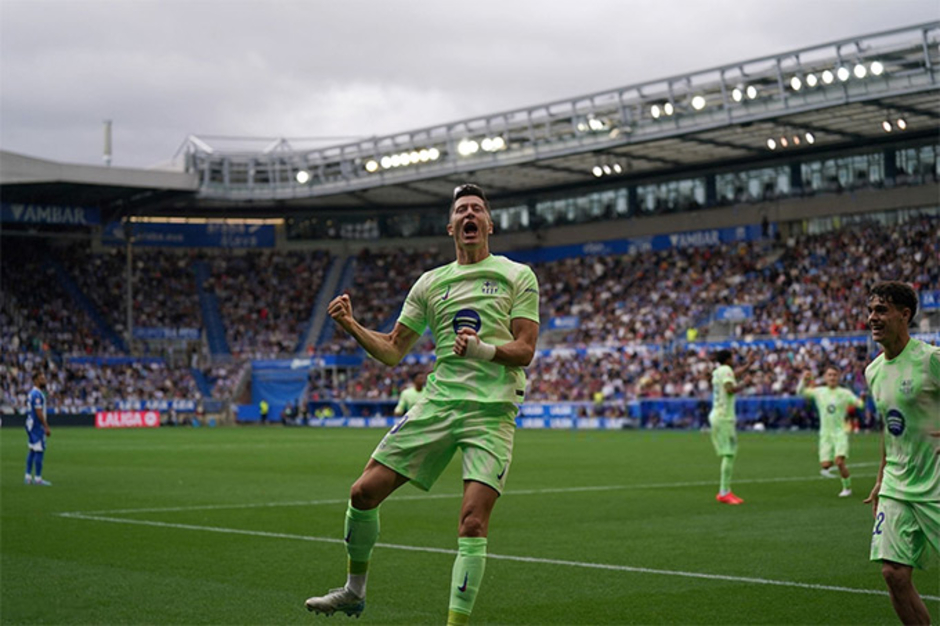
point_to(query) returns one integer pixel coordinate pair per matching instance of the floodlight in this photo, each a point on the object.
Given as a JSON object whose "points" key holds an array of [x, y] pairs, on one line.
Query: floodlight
{"points": [[434, 153], [386, 162], [668, 109], [737, 95], [751, 92], [582, 127], [498, 143], [303, 177], [860, 71], [810, 138], [415, 156], [902, 123], [423, 155], [843, 73], [655, 112], [487, 144], [783, 142], [698, 103], [597, 171], [607, 170], [796, 84], [771, 144], [827, 77], [372, 165], [886, 125], [877, 68], [618, 168], [811, 80], [466, 147], [796, 140]]}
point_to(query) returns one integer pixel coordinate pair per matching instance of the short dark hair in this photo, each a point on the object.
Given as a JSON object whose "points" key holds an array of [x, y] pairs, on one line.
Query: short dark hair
{"points": [[897, 293], [723, 356], [469, 189], [37, 374]]}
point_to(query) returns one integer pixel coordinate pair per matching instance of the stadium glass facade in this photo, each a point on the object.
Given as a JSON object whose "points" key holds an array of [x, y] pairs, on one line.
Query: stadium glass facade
{"points": [[876, 169]]}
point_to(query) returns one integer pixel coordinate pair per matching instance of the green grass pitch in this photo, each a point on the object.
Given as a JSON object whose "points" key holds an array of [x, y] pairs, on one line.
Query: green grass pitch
{"points": [[240, 525]]}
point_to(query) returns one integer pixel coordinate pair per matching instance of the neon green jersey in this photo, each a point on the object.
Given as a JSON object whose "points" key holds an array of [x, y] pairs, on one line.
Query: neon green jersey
{"points": [[408, 398], [906, 391], [722, 401], [485, 297], [832, 406]]}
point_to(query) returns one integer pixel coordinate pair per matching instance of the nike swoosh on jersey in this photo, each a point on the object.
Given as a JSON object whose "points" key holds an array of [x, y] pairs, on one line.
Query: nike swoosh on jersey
{"points": [[446, 293]]}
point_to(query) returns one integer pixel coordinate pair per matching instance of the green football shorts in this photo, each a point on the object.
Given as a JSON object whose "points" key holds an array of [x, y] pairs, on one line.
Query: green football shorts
{"points": [[903, 530], [724, 438], [421, 445], [832, 445]]}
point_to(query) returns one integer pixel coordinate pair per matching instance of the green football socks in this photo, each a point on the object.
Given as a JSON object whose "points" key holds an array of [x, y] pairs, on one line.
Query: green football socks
{"points": [[361, 533], [847, 483], [466, 578], [727, 468]]}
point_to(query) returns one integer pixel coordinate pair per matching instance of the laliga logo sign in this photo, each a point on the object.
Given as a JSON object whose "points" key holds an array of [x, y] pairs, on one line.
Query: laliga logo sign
{"points": [[127, 419]]}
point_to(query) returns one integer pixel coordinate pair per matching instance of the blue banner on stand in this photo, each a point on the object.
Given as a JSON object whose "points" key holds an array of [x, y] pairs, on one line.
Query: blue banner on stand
{"points": [[50, 214], [212, 235]]}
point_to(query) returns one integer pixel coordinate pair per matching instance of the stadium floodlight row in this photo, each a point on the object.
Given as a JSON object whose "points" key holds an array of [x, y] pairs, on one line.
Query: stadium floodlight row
{"points": [[888, 79]]}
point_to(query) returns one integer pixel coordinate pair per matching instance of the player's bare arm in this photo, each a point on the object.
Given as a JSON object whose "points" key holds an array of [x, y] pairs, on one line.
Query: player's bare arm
{"points": [[873, 496], [518, 352], [41, 414], [388, 348]]}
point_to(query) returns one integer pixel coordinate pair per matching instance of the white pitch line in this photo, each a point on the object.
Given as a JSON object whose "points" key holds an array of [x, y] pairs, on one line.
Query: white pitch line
{"points": [[502, 557], [438, 496]]}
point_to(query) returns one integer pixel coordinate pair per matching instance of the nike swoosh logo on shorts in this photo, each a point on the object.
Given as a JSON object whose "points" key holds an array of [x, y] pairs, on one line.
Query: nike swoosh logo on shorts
{"points": [[501, 474]]}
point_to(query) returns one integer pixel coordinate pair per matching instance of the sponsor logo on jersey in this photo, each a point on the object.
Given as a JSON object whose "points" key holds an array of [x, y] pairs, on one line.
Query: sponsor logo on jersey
{"points": [[467, 318], [895, 421], [490, 288], [907, 387]]}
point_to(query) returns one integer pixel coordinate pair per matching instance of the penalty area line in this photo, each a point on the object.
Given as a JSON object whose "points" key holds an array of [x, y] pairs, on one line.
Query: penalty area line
{"points": [[501, 557]]}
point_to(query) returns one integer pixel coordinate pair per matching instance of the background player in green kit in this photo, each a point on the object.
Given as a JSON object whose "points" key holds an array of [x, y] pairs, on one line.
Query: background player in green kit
{"points": [[722, 419], [832, 403], [905, 385], [410, 396], [483, 312]]}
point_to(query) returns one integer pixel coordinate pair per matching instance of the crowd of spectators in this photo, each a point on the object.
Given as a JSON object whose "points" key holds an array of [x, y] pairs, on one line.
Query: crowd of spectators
{"points": [[380, 282], [75, 387], [163, 285], [819, 284], [266, 299], [633, 310]]}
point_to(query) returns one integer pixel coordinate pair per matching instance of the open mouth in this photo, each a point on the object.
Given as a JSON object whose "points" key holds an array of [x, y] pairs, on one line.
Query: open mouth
{"points": [[470, 228]]}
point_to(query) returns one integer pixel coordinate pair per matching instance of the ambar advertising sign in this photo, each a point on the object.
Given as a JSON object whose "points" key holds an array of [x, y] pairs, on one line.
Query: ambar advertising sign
{"points": [[127, 419]]}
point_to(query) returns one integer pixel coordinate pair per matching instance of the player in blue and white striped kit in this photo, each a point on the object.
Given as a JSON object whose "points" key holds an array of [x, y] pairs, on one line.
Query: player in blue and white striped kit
{"points": [[37, 428]]}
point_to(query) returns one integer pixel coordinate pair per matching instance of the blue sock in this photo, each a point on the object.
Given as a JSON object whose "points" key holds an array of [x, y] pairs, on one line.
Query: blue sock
{"points": [[39, 456], [29, 462]]}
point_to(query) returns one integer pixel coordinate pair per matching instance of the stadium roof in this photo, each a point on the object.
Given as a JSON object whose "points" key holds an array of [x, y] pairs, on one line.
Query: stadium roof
{"points": [[824, 98], [810, 103], [27, 180]]}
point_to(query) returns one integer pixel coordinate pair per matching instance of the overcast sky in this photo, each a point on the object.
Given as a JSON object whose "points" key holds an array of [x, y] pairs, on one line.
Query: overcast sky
{"points": [[347, 68]]}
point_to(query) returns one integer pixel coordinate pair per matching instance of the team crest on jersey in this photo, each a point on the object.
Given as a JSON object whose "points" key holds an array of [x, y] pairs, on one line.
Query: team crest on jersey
{"points": [[831, 408], [907, 387], [490, 287], [895, 422], [467, 318]]}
